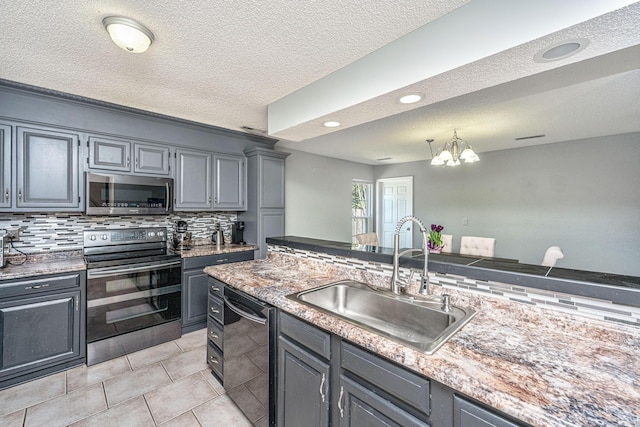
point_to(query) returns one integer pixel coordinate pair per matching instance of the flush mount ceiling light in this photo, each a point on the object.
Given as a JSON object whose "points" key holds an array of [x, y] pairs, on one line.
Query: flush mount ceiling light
{"points": [[561, 50], [452, 152], [128, 34], [410, 98], [331, 124]]}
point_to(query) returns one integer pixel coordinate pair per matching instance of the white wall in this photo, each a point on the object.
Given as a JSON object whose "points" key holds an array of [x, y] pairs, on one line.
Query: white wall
{"points": [[318, 195], [583, 196]]}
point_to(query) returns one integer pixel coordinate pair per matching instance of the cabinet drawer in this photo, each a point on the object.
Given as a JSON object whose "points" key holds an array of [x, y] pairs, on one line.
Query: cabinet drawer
{"points": [[216, 288], [38, 284], [215, 359], [309, 336], [208, 260], [406, 386], [216, 309], [215, 332]]}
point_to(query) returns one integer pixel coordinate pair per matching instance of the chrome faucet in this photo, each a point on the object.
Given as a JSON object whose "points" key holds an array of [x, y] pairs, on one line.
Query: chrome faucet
{"points": [[396, 282]]}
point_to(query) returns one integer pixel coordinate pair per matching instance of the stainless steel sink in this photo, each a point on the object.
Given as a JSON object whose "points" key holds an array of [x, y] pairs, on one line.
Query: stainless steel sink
{"points": [[423, 323]]}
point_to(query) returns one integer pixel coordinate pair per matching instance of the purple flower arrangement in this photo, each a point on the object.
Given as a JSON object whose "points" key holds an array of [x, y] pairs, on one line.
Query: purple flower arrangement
{"points": [[435, 238]]}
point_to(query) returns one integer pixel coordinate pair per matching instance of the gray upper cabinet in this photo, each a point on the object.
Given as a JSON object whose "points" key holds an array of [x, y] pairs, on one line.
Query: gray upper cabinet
{"points": [[271, 171], [193, 180], [124, 156], [47, 170], [230, 189], [5, 165], [151, 159], [109, 154]]}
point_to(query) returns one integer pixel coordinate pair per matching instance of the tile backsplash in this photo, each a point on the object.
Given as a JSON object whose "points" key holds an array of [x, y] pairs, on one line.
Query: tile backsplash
{"points": [[580, 306], [63, 231]]}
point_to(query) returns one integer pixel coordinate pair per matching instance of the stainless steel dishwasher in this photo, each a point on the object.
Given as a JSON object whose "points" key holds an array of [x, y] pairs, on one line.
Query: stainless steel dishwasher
{"points": [[249, 355]]}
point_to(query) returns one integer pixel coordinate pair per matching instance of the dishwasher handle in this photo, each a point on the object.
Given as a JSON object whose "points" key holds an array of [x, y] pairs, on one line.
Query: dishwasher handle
{"points": [[250, 316]]}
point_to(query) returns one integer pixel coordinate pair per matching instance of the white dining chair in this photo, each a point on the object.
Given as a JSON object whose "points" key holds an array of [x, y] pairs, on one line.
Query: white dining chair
{"points": [[551, 256], [367, 239], [447, 240], [480, 246]]}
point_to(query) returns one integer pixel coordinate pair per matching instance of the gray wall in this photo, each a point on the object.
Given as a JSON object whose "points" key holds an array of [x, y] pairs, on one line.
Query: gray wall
{"points": [[318, 195], [580, 195]]}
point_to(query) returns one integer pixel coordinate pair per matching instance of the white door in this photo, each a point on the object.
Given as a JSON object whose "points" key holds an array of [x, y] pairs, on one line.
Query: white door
{"points": [[395, 201]]}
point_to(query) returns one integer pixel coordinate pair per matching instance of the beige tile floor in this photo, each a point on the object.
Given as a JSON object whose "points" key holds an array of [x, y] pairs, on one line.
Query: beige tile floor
{"points": [[166, 385]]}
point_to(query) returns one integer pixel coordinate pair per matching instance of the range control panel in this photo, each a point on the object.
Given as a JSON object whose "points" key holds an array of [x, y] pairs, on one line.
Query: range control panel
{"points": [[124, 236]]}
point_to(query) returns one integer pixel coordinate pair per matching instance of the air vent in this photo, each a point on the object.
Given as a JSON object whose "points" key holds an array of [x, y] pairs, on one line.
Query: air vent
{"points": [[530, 137], [253, 130], [384, 158]]}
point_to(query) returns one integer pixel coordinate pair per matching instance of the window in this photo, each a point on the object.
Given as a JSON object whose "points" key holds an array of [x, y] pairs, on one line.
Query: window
{"points": [[361, 207]]}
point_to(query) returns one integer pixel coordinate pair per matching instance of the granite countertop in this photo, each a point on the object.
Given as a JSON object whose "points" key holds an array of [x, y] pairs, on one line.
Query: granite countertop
{"points": [[212, 249], [543, 367], [41, 264]]}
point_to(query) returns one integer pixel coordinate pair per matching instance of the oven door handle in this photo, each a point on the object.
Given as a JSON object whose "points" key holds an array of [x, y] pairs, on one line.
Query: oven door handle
{"points": [[113, 271], [251, 316]]}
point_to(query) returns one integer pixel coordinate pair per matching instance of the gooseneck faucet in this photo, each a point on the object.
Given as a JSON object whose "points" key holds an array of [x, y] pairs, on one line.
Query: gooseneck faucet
{"points": [[396, 282]]}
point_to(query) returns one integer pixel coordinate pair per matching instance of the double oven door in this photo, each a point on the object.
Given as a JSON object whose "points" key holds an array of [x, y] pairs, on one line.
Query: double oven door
{"points": [[132, 296]]}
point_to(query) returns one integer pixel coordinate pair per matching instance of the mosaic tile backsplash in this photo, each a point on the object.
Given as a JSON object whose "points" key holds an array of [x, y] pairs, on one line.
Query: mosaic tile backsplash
{"points": [[63, 231], [580, 306]]}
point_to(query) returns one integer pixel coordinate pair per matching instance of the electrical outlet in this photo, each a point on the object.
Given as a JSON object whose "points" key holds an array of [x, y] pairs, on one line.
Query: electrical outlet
{"points": [[13, 234]]}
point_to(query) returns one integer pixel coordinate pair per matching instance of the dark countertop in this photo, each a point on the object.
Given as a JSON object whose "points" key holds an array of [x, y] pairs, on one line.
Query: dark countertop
{"points": [[616, 288], [42, 264]]}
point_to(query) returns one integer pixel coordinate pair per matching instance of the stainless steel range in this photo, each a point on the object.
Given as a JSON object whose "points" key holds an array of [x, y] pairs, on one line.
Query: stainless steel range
{"points": [[133, 291]]}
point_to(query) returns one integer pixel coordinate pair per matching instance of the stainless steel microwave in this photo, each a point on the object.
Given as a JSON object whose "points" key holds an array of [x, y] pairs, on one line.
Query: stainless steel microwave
{"points": [[114, 194]]}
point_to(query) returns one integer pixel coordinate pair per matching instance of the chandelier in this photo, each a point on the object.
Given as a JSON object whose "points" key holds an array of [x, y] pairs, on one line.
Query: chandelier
{"points": [[452, 152]]}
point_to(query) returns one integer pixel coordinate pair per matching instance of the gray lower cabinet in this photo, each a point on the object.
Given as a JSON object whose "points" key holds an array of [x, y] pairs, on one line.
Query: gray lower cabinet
{"points": [[215, 328], [47, 170], [195, 284], [304, 378], [324, 380], [468, 414], [42, 327]]}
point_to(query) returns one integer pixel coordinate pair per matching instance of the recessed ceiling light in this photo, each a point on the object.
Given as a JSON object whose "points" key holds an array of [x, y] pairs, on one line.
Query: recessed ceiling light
{"points": [[561, 50], [410, 98], [331, 124]]}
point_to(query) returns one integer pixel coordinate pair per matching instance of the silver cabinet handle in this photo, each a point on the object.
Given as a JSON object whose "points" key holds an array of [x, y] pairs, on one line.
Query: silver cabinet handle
{"points": [[340, 402], [209, 199], [322, 387], [214, 335], [214, 289], [213, 360], [215, 199], [6, 195], [214, 310], [137, 162], [20, 194], [128, 161], [37, 286]]}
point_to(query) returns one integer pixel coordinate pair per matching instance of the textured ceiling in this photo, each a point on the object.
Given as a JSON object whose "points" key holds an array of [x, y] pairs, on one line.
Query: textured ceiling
{"points": [[224, 63]]}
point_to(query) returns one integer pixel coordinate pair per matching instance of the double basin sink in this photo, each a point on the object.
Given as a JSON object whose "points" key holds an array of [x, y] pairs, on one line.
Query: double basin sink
{"points": [[420, 323]]}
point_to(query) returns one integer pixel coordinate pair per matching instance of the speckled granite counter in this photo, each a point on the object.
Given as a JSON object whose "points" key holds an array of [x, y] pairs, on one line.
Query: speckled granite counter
{"points": [[40, 264], [212, 249], [545, 368]]}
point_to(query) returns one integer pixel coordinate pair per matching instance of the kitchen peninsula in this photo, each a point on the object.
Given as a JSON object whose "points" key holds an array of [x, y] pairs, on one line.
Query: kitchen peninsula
{"points": [[532, 364]]}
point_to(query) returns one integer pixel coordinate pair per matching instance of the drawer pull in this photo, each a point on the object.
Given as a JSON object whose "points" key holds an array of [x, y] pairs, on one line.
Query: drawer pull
{"points": [[215, 311], [37, 286], [214, 289], [214, 335], [213, 360], [322, 386], [222, 260], [340, 402]]}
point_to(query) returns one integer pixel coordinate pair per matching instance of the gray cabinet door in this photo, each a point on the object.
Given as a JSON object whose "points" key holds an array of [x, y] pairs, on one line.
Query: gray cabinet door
{"points": [[194, 297], [47, 169], [270, 224], [5, 166], [360, 407], [303, 387], [193, 180], [151, 159], [467, 414], [39, 331], [230, 182], [271, 194], [109, 154]]}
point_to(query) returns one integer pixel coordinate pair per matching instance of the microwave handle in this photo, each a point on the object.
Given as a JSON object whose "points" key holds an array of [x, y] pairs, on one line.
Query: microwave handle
{"points": [[169, 197]]}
